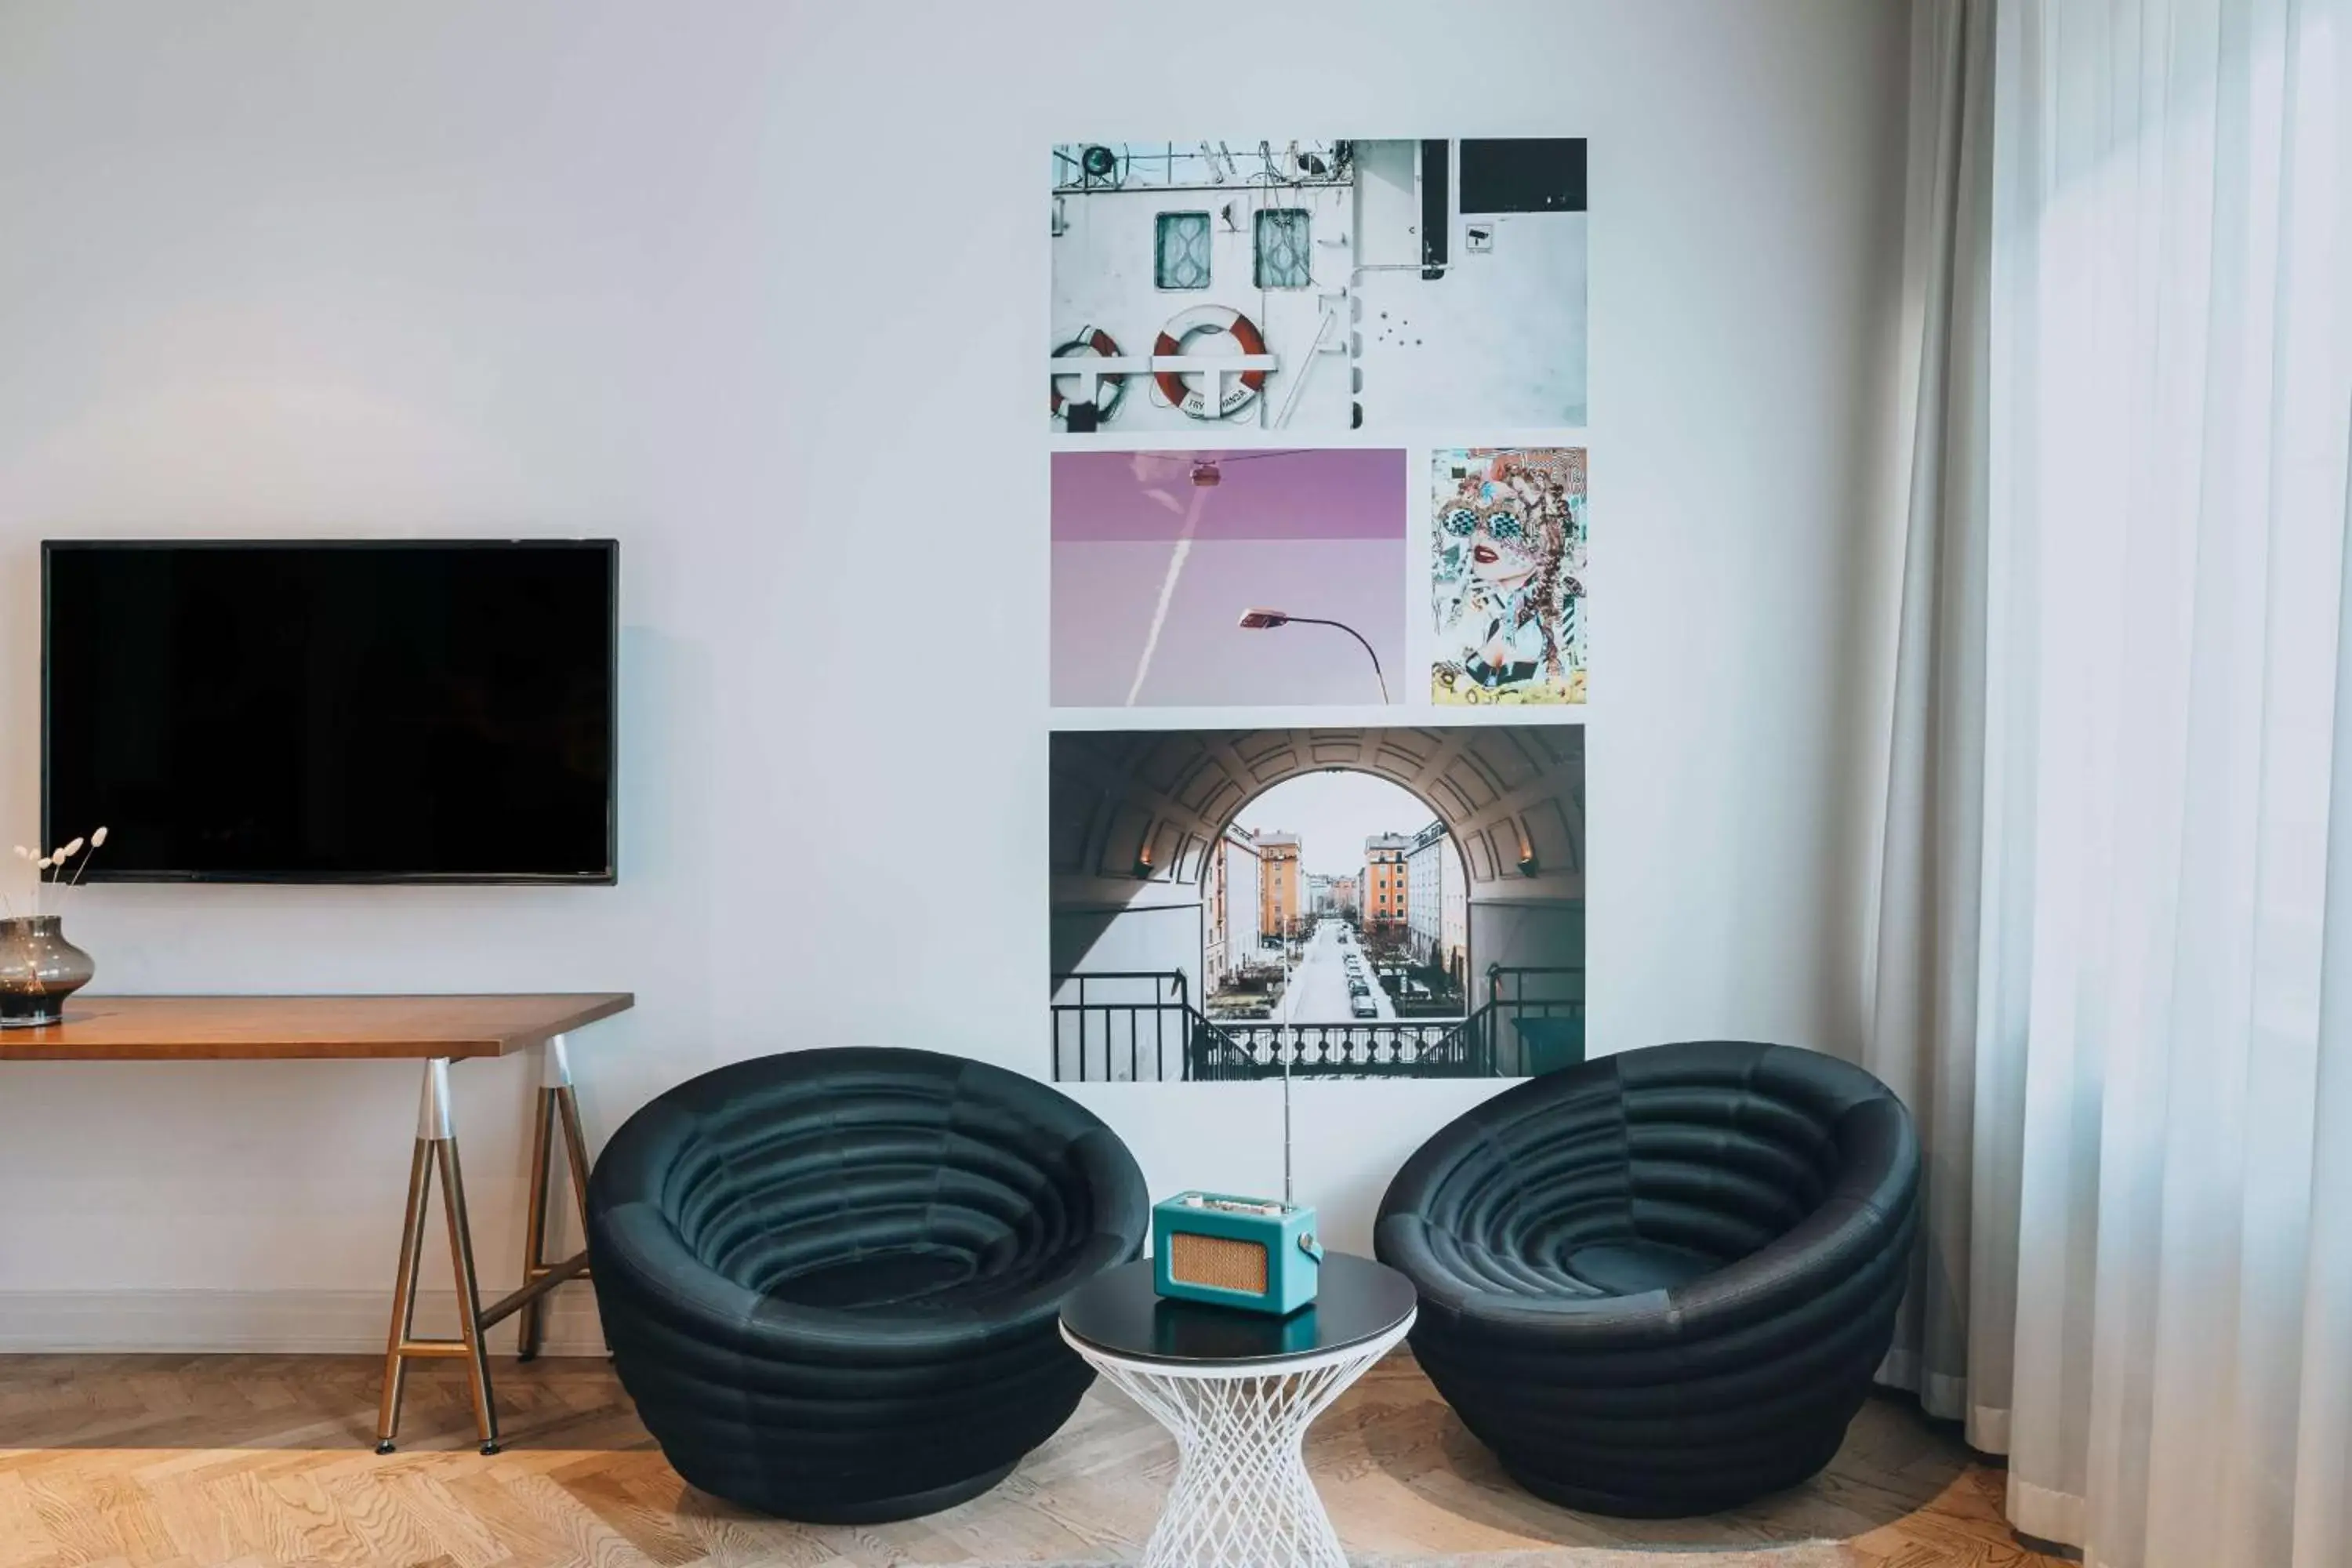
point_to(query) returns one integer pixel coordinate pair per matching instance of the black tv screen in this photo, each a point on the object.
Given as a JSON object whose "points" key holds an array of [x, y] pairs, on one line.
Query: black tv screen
{"points": [[332, 712]]}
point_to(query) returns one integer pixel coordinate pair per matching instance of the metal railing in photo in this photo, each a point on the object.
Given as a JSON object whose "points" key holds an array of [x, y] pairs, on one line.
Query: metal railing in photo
{"points": [[1535, 1017], [1141, 1025], [1455, 1048], [1146, 1028]]}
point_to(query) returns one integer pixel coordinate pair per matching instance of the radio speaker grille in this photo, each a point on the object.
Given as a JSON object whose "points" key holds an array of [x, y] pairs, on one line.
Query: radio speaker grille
{"points": [[1218, 1261]]}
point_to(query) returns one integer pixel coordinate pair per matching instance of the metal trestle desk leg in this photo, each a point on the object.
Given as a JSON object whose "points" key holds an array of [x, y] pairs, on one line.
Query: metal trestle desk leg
{"points": [[557, 1115], [436, 1150]]}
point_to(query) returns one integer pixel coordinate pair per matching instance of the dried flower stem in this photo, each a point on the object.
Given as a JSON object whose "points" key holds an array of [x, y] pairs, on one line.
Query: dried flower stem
{"points": [[49, 869]]}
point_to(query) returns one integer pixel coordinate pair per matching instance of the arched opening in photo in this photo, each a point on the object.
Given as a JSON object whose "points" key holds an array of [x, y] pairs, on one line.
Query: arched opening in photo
{"points": [[1334, 897]]}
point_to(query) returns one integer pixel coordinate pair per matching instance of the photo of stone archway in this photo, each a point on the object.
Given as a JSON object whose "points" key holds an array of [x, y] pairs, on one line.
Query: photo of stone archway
{"points": [[1370, 903]]}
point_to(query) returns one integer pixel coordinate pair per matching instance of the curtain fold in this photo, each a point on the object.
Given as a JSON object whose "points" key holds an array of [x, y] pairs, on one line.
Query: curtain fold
{"points": [[2114, 970], [2322, 1522], [1928, 1029]]}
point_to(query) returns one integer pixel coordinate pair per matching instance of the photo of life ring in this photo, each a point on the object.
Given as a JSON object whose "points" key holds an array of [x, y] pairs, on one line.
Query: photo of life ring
{"points": [[1090, 343], [1394, 287], [1184, 336]]}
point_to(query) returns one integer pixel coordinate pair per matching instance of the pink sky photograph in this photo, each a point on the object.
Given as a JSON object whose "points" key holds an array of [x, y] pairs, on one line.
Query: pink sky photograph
{"points": [[1157, 556]]}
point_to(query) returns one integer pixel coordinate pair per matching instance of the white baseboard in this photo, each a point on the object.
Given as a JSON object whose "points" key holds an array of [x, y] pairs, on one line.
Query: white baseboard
{"points": [[307, 1322]]}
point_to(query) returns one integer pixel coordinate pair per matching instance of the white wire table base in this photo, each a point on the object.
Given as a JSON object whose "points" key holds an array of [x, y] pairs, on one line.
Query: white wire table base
{"points": [[1241, 1497]]}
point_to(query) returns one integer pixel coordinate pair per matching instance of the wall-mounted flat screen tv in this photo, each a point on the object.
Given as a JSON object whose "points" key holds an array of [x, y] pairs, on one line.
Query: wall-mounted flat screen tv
{"points": [[345, 711]]}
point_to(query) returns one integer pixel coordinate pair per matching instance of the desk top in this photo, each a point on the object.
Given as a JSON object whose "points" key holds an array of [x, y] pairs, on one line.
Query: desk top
{"points": [[1120, 1314], [293, 1028]]}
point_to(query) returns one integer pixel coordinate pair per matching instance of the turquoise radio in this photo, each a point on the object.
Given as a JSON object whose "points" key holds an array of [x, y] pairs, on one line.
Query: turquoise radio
{"points": [[1251, 1253]]}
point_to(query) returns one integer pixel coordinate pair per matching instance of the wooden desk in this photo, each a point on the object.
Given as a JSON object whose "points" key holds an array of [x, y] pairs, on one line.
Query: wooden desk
{"points": [[434, 1030]]}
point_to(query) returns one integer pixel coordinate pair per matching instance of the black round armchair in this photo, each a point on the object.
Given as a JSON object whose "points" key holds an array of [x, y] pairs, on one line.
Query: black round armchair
{"points": [[830, 1280], [1658, 1283]]}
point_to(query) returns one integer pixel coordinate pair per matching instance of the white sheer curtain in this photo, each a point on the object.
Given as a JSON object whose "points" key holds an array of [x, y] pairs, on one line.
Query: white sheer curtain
{"points": [[2115, 967]]}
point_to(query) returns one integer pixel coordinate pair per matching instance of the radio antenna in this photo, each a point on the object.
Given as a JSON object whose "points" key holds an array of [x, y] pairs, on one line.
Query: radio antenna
{"points": [[1286, 1128]]}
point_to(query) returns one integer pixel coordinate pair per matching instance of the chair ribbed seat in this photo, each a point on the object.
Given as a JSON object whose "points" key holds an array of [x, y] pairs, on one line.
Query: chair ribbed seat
{"points": [[1659, 1283], [831, 1279]]}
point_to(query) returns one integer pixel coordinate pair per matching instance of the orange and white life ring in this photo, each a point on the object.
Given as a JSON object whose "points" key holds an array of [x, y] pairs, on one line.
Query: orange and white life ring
{"points": [[1092, 342], [1239, 389]]}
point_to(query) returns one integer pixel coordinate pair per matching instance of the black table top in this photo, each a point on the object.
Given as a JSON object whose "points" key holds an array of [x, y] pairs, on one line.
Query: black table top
{"points": [[1118, 1311]]}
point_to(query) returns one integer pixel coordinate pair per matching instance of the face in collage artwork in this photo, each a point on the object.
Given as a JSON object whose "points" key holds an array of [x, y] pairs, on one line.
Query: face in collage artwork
{"points": [[1315, 414]]}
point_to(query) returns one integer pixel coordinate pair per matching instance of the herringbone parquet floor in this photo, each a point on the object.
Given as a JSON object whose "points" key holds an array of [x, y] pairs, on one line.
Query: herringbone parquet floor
{"points": [[142, 1461]]}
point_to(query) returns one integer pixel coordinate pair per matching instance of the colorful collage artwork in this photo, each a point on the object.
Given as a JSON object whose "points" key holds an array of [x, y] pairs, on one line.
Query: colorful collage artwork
{"points": [[1507, 565], [1321, 530]]}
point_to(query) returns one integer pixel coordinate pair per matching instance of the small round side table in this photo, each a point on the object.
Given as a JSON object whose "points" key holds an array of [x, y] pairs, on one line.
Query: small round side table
{"points": [[1238, 1390]]}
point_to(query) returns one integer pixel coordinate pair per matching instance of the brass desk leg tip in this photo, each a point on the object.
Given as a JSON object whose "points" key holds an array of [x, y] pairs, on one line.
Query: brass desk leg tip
{"points": [[383, 1446], [488, 1448], [526, 1356]]}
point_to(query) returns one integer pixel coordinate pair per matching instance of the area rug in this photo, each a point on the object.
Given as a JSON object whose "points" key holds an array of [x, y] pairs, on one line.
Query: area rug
{"points": [[1809, 1554], [1665, 1554]]}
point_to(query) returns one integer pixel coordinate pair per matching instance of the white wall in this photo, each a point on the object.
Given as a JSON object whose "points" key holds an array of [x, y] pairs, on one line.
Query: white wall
{"points": [[758, 289]]}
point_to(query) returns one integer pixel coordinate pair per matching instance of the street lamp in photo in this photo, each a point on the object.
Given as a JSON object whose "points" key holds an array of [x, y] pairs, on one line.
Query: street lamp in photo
{"points": [[1266, 620]]}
